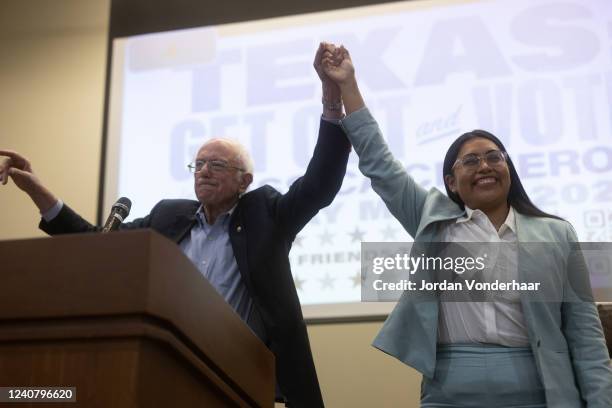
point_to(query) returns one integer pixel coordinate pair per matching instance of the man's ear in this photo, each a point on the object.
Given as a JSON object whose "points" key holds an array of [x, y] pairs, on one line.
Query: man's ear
{"points": [[245, 181], [451, 182]]}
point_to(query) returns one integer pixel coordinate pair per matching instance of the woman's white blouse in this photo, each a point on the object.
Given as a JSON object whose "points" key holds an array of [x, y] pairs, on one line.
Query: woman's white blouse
{"points": [[501, 320]]}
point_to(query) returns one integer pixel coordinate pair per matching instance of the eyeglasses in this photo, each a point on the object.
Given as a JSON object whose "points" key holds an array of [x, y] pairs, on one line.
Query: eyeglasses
{"points": [[493, 158], [214, 166]]}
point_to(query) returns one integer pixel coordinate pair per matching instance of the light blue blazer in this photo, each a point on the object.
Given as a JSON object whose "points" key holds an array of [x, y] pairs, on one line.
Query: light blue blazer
{"points": [[566, 336]]}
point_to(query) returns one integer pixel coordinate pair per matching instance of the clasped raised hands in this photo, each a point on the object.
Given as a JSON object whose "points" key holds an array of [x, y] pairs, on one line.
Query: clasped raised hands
{"points": [[337, 64], [334, 64]]}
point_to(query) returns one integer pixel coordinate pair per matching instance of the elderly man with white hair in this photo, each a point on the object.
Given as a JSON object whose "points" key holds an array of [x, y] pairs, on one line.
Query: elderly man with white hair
{"points": [[239, 240]]}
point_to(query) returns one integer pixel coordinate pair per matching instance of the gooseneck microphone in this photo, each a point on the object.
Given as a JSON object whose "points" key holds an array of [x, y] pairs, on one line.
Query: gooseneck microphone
{"points": [[120, 211]]}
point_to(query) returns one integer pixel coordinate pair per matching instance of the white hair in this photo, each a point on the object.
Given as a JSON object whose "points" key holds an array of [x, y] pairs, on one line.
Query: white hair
{"points": [[243, 157]]}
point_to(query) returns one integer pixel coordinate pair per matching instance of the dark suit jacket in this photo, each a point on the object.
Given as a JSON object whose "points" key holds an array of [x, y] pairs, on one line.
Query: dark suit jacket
{"points": [[262, 229]]}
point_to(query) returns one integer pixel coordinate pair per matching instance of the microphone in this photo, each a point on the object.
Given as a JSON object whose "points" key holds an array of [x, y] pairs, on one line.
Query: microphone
{"points": [[119, 212]]}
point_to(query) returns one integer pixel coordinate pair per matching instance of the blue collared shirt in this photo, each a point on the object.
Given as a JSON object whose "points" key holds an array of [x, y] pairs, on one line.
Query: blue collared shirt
{"points": [[210, 250]]}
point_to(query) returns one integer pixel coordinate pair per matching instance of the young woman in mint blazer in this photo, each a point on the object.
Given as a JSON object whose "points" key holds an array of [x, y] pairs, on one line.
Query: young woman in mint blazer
{"points": [[527, 354]]}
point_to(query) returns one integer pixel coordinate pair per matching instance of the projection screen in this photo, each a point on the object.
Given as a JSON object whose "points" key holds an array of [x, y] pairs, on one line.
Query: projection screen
{"points": [[538, 74]]}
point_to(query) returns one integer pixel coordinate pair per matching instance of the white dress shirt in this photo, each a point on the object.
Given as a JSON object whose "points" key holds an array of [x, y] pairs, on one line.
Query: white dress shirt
{"points": [[501, 320]]}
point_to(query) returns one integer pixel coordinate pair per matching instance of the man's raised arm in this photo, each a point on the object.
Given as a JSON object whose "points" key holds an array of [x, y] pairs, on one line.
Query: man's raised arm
{"points": [[18, 168]]}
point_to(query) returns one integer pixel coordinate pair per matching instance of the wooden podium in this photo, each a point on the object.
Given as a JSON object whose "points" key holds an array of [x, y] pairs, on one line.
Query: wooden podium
{"points": [[127, 320]]}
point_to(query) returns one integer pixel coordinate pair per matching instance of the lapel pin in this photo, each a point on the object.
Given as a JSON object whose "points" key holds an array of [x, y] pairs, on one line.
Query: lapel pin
{"points": [[238, 228]]}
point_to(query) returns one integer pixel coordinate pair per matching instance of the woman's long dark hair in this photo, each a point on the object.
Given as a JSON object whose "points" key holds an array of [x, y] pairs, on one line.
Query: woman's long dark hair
{"points": [[517, 196]]}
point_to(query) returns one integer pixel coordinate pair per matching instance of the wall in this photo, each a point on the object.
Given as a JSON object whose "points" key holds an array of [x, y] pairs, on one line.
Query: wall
{"points": [[52, 81], [354, 374]]}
